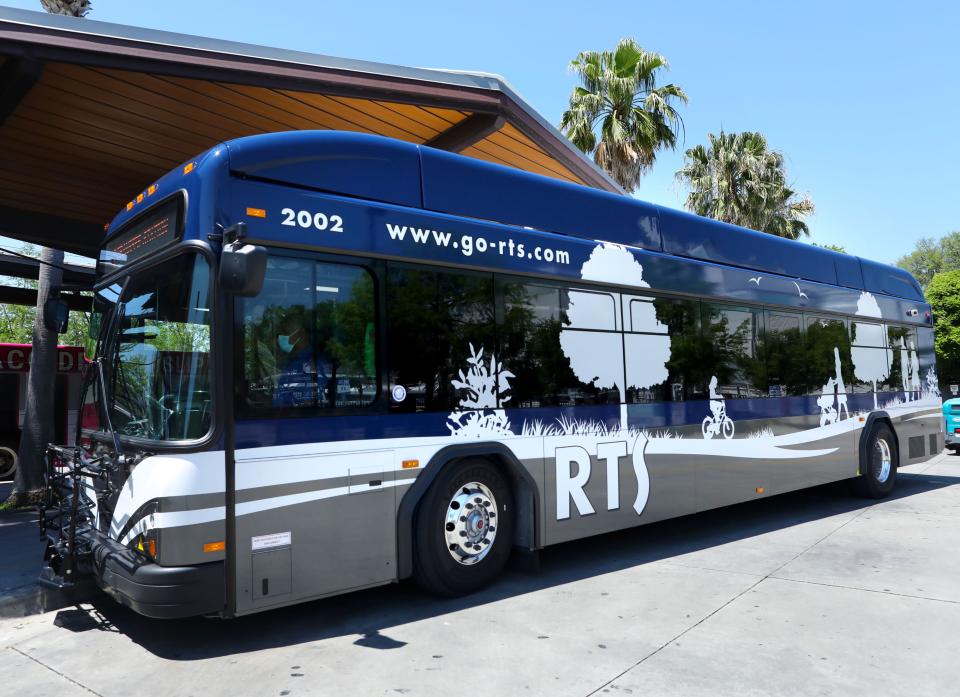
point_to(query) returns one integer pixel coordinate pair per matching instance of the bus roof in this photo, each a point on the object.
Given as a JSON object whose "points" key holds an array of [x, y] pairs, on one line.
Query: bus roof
{"points": [[392, 171]]}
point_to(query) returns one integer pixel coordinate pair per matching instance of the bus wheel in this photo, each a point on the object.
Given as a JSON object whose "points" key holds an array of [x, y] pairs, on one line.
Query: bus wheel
{"points": [[878, 464], [8, 461], [464, 529]]}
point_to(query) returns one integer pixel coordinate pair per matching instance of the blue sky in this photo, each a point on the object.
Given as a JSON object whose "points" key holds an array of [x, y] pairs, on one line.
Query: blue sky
{"points": [[861, 97]]}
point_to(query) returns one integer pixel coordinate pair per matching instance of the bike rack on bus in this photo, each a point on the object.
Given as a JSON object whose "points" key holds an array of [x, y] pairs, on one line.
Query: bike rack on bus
{"points": [[66, 520]]}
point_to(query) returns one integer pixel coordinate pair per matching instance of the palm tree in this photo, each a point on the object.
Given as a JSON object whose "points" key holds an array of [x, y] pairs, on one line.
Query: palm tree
{"points": [[619, 96], [736, 179], [72, 8]]}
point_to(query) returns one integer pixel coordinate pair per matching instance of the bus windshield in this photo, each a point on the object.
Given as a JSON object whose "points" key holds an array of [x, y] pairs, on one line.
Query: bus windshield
{"points": [[158, 357]]}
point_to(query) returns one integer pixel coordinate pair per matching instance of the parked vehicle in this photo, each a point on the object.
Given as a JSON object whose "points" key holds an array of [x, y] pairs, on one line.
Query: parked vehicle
{"points": [[951, 420], [329, 361]]}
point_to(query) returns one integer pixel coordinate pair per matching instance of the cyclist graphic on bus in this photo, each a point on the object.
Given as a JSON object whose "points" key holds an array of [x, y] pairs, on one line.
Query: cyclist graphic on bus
{"points": [[718, 422]]}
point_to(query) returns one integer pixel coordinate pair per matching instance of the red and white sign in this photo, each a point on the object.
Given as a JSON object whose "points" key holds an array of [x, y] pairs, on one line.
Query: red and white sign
{"points": [[15, 358]]}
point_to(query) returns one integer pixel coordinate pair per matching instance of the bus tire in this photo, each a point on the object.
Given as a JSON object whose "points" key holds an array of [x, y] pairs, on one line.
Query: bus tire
{"points": [[878, 463], [9, 459], [464, 529]]}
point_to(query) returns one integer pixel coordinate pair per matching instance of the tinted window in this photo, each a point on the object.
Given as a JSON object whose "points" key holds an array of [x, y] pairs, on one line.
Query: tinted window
{"points": [[782, 369], [587, 309], [729, 350], [904, 361], [310, 338], [870, 358], [551, 340], [867, 334], [663, 349], [828, 355], [436, 323]]}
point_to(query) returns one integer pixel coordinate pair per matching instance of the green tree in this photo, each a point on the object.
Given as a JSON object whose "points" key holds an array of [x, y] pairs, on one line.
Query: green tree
{"points": [[930, 257], [943, 294], [738, 180], [619, 97], [832, 247]]}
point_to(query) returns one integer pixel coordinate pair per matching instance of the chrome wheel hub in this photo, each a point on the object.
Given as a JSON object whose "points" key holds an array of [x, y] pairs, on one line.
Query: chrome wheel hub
{"points": [[471, 523], [882, 461]]}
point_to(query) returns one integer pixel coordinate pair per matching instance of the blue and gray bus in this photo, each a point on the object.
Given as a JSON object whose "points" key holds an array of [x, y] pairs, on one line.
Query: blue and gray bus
{"points": [[328, 361]]}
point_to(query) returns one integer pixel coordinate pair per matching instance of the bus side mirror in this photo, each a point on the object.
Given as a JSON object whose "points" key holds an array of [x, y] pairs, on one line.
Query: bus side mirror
{"points": [[56, 315], [242, 268]]}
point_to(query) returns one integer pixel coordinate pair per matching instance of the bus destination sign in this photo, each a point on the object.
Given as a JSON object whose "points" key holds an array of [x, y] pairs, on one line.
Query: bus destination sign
{"points": [[148, 234]]}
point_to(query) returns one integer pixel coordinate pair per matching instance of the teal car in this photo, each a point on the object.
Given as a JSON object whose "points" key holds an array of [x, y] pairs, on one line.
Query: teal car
{"points": [[951, 417]]}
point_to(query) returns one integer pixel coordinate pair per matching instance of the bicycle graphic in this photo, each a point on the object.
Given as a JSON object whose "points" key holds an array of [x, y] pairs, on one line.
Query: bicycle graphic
{"points": [[717, 425], [717, 422]]}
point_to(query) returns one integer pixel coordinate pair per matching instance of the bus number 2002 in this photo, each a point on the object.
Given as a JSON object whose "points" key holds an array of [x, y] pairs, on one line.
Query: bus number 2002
{"points": [[306, 219]]}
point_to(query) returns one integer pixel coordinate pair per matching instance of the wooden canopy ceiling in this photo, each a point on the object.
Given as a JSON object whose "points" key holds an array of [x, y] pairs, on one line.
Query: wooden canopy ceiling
{"points": [[91, 113]]}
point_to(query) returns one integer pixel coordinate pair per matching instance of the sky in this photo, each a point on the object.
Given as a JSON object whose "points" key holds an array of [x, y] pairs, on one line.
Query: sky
{"points": [[861, 97]]}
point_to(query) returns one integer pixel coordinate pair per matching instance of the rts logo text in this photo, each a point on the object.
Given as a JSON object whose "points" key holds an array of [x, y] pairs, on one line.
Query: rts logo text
{"points": [[573, 465]]}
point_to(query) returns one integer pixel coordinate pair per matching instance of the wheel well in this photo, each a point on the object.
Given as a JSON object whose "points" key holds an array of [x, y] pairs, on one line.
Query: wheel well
{"points": [[877, 417], [526, 498]]}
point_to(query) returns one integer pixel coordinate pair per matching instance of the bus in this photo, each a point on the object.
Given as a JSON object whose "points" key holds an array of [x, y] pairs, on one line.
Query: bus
{"points": [[328, 361]]}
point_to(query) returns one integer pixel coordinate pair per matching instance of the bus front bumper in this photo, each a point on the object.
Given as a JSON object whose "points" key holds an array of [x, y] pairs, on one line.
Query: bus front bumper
{"points": [[162, 592]]}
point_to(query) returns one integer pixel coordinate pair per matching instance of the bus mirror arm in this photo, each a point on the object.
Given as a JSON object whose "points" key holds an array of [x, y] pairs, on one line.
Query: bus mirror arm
{"points": [[242, 266]]}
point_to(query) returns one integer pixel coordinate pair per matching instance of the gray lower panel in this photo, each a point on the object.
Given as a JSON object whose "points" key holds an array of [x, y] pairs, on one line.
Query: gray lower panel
{"points": [[684, 483], [335, 544]]}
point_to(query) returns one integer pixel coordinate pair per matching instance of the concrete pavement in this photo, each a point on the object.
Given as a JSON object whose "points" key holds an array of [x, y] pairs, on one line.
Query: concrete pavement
{"points": [[21, 553], [812, 593]]}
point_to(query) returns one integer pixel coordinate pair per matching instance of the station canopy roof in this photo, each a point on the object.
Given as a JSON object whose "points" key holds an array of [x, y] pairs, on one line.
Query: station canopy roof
{"points": [[91, 113]]}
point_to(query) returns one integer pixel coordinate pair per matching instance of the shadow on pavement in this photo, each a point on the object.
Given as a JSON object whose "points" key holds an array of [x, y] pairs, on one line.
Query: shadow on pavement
{"points": [[370, 614]]}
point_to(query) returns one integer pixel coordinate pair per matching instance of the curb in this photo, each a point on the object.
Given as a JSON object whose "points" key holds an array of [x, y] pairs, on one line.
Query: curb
{"points": [[35, 599]]}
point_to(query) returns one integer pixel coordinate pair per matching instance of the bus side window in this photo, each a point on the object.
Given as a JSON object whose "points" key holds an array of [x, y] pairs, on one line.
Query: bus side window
{"points": [[870, 357], [903, 348], [434, 320], [827, 355], [662, 349], [562, 345], [309, 338], [781, 356], [728, 339]]}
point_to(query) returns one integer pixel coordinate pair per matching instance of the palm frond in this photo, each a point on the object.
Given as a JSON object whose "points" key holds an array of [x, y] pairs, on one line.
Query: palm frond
{"points": [[618, 113]]}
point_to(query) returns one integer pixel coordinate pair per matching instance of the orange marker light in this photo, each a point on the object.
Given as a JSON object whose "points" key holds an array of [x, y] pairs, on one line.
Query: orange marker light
{"points": [[130, 205], [140, 198], [760, 489], [151, 190], [215, 546], [152, 548], [410, 464], [256, 213], [187, 168]]}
